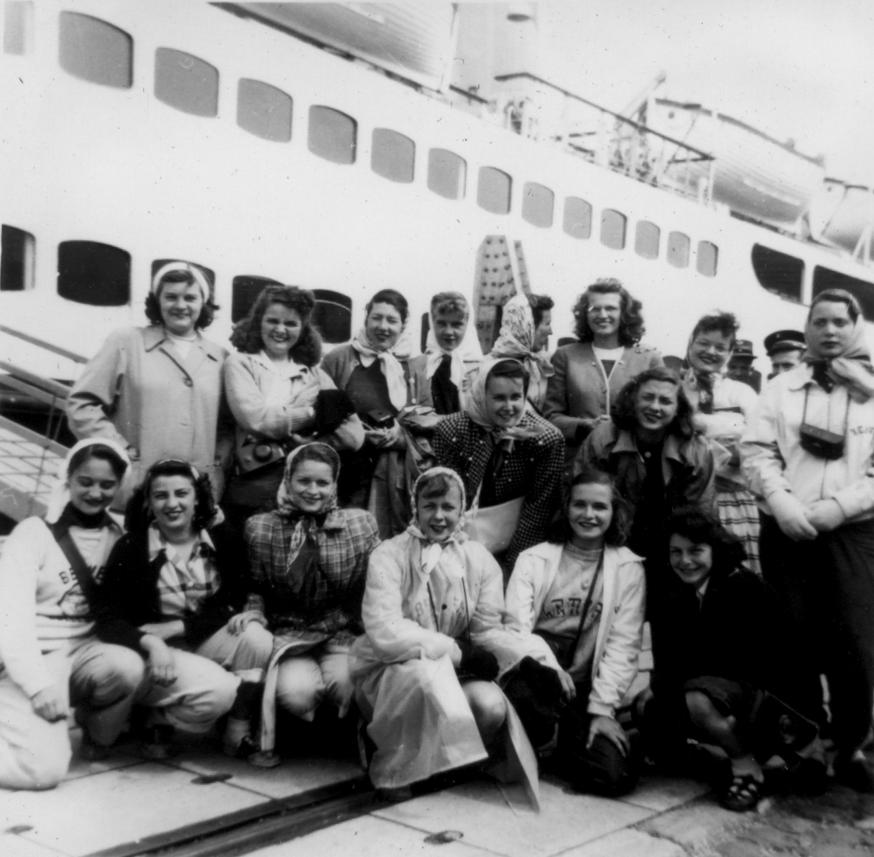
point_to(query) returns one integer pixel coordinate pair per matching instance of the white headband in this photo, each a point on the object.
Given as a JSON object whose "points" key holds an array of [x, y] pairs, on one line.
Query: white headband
{"points": [[184, 267]]}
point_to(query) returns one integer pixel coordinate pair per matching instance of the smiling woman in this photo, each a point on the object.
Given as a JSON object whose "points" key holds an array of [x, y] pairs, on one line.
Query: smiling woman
{"points": [[157, 390]]}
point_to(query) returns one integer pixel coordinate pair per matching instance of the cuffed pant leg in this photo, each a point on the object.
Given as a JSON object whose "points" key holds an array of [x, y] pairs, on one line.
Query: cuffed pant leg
{"points": [[105, 681], [202, 693], [300, 687], [248, 650], [34, 754]]}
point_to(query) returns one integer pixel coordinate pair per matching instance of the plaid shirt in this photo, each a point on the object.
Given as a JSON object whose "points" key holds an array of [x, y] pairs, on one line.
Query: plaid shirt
{"points": [[345, 542], [531, 469]]}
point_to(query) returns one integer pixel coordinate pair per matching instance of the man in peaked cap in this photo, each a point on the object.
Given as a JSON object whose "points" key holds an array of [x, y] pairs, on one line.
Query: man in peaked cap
{"points": [[785, 348], [740, 365]]}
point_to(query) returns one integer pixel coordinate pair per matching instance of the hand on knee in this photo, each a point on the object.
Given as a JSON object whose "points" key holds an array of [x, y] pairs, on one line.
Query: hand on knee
{"points": [[489, 708]]}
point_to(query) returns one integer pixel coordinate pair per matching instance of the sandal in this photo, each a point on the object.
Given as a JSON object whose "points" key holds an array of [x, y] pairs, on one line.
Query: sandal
{"points": [[742, 794]]}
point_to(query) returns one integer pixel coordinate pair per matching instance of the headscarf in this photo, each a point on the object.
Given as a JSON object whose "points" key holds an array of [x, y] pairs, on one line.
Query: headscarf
{"points": [[516, 339], [433, 552], [187, 268], [435, 352], [59, 494], [389, 363], [475, 404], [305, 523], [853, 368]]}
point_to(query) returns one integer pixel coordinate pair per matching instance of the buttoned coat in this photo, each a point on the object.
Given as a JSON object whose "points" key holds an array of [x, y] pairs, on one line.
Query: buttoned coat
{"points": [[138, 391]]}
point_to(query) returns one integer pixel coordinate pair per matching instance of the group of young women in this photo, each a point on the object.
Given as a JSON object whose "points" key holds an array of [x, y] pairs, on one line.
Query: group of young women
{"points": [[462, 550]]}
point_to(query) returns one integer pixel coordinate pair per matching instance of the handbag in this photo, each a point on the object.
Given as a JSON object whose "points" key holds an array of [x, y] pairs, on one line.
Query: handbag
{"points": [[494, 526], [778, 726]]}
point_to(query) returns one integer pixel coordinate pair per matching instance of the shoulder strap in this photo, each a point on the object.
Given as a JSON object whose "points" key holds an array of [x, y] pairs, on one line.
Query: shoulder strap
{"points": [[587, 606], [77, 563]]}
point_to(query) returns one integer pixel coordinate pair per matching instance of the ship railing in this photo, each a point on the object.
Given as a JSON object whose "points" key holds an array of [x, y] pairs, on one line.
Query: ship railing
{"points": [[31, 449], [536, 108]]}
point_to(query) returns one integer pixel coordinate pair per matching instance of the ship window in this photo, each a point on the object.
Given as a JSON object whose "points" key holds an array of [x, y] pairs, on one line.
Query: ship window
{"points": [[332, 135], [537, 204], [93, 273], [778, 272], [245, 291], [493, 190], [17, 251], [333, 316], [392, 155], [613, 228], [863, 290], [95, 51], [646, 239], [18, 27], [708, 256], [447, 173], [264, 110], [577, 217], [678, 249], [185, 82]]}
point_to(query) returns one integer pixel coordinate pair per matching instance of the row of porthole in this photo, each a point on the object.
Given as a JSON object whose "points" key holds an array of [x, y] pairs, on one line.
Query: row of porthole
{"points": [[97, 274], [97, 51]]}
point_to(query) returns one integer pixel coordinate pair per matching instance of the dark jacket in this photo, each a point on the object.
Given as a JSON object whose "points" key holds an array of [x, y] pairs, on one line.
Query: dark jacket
{"points": [[129, 594]]}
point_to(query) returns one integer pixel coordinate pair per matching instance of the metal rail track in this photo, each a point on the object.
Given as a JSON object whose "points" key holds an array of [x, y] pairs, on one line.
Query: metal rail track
{"points": [[269, 823]]}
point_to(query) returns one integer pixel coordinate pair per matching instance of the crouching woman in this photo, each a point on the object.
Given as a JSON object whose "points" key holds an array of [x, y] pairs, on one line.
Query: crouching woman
{"points": [[578, 599], [424, 672]]}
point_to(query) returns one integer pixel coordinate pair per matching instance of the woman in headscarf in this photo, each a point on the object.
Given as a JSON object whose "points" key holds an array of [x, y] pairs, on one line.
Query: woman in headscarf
{"points": [[442, 375], [50, 659], [590, 373], [505, 454], [174, 591], [157, 390], [424, 674], [722, 407], [373, 370], [526, 325], [807, 453], [279, 396], [308, 562]]}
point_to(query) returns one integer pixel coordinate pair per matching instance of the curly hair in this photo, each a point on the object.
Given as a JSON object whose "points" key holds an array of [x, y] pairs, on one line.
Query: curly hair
{"points": [[449, 302], [393, 297], [725, 323], [631, 329], [699, 528], [840, 296], [153, 300], [539, 305], [559, 530], [138, 513], [624, 406], [246, 336]]}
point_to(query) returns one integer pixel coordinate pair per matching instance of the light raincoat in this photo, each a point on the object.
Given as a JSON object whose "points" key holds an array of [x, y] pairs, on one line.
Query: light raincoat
{"points": [[420, 597]]}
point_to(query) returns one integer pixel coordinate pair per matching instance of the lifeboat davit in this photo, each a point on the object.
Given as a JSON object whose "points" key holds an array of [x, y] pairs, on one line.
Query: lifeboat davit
{"points": [[842, 214], [753, 174]]}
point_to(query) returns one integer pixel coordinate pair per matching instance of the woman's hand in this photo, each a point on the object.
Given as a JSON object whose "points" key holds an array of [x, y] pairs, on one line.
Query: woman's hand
{"points": [[569, 689], [50, 704], [611, 730], [237, 624], [160, 661], [791, 516], [164, 630], [825, 515], [376, 437]]}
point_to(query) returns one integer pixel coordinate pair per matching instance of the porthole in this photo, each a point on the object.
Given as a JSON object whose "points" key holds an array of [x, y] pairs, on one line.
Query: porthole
{"points": [[185, 82], [447, 173], [93, 273], [392, 155], [493, 190], [332, 135], [95, 51], [333, 316], [18, 27], [17, 254], [646, 239], [613, 225], [264, 110], [577, 218], [538, 203], [707, 258], [678, 249], [244, 293]]}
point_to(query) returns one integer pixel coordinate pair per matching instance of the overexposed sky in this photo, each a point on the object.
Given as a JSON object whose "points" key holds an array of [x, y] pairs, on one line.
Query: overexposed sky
{"points": [[800, 69]]}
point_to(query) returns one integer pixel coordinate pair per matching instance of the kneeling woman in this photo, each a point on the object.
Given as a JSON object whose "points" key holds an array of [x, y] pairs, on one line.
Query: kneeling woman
{"points": [[308, 567], [424, 672], [580, 596], [174, 590], [49, 657], [724, 642]]}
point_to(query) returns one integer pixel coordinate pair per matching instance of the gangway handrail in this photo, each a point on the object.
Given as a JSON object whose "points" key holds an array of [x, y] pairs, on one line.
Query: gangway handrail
{"points": [[48, 385], [38, 393], [61, 352], [34, 437]]}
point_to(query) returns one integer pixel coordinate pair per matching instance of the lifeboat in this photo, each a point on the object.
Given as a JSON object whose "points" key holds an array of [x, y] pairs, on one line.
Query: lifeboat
{"points": [[753, 174], [842, 214]]}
